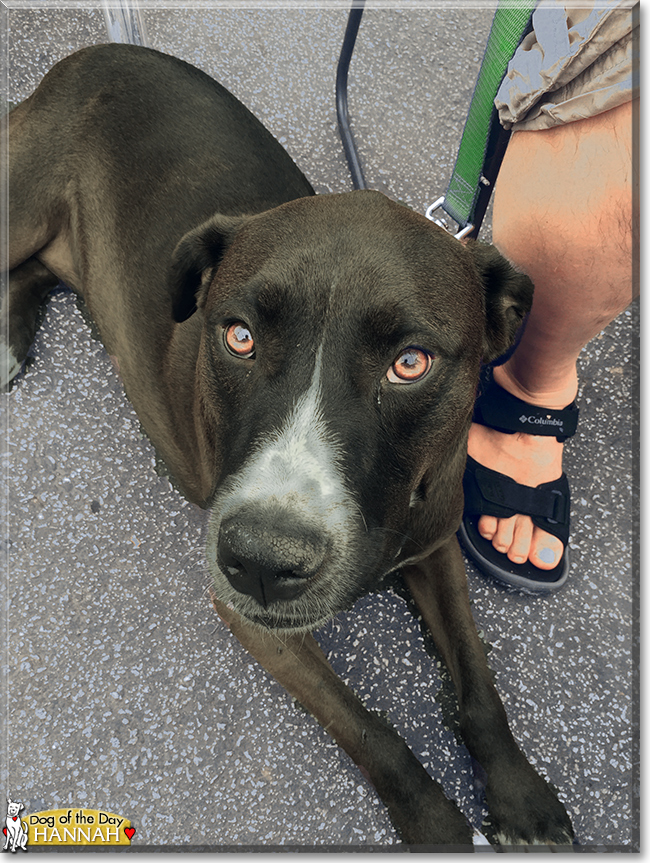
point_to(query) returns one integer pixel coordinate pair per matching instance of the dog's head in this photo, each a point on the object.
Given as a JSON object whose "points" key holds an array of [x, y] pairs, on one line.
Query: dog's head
{"points": [[341, 343], [14, 807]]}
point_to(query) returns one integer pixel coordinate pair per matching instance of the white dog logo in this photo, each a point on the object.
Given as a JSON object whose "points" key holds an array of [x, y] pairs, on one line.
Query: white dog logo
{"points": [[15, 830]]}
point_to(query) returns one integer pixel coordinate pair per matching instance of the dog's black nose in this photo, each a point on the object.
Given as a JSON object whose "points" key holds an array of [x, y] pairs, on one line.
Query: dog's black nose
{"points": [[269, 560]]}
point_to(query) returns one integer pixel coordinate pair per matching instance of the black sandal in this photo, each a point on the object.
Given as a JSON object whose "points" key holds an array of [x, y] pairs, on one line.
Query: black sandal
{"points": [[488, 492]]}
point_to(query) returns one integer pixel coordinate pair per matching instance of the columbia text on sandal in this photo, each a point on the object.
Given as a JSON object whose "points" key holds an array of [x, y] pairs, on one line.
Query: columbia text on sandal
{"points": [[488, 492]]}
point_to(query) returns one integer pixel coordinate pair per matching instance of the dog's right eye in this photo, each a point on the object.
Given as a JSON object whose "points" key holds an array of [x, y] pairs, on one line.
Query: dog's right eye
{"points": [[410, 366], [239, 341]]}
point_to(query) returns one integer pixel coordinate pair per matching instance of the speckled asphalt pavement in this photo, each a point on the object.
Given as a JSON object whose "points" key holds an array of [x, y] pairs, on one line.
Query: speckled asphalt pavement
{"points": [[124, 691]]}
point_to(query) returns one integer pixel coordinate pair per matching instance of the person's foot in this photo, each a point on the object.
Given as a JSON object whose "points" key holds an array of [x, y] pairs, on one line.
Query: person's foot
{"points": [[528, 459]]}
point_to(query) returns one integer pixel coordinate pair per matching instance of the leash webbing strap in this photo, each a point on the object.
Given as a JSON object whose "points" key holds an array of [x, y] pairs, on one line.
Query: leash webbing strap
{"points": [[509, 25]]}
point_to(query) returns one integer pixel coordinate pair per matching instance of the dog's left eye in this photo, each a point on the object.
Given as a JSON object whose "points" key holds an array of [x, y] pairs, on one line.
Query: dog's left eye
{"points": [[239, 341], [410, 366]]}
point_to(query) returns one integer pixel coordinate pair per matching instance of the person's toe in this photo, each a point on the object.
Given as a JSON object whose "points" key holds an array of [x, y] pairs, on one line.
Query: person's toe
{"points": [[487, 526], [522, 536], [504, 536], [546, 550]]}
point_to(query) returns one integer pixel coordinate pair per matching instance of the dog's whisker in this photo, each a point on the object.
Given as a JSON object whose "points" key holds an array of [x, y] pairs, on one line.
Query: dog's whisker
{"points": [[405, 536], [363, 518], [192, 552]]}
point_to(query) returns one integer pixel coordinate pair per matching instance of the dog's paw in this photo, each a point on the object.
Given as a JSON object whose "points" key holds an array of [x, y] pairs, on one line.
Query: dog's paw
{"points": [[519, 845], [528, 814], [543, 827]]}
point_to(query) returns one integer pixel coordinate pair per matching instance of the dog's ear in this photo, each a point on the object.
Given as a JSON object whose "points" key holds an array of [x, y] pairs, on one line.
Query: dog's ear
{"points": [[195, 259], [508, 298]]}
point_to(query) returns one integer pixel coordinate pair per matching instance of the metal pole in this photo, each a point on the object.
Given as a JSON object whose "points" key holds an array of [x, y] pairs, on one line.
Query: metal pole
{"points": [[124, 22]]}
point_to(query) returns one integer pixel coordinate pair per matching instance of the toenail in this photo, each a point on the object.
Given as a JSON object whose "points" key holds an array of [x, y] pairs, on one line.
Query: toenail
{"points": [[518, 559], [547, 555]]}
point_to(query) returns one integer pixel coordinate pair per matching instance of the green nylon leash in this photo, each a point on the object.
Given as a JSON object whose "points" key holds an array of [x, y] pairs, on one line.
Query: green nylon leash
{"points": [[484, 141]]}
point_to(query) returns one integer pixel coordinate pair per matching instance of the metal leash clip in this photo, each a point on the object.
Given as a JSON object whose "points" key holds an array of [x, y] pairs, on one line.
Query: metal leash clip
{"points": [[442, 223]]}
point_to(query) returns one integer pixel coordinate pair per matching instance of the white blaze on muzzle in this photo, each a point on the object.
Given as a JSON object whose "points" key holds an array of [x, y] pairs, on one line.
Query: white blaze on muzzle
{"points": [[298, 468], [287, 539]]}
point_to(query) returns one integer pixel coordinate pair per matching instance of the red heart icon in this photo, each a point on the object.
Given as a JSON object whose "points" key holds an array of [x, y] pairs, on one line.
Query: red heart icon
{"points": [[129, 832], [4, 830]]}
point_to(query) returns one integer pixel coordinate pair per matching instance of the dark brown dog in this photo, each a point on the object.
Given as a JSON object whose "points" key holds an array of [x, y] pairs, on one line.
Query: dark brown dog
{"points": [[306, 366]]}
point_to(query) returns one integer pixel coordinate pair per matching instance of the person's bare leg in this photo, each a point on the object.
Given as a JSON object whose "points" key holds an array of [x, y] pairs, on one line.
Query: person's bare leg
{"points": [[562, 214]]}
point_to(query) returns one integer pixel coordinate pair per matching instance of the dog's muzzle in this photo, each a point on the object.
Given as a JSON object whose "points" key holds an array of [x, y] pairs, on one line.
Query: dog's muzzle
{"points": [[269, 557]]}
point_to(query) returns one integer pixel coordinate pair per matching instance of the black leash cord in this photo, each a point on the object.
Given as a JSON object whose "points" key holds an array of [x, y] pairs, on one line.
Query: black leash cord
{"points": [[354, 19]]}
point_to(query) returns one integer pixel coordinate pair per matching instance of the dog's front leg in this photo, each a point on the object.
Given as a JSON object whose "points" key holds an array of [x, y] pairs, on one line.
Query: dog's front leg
{"points": [[417, 805], [523, 809]]}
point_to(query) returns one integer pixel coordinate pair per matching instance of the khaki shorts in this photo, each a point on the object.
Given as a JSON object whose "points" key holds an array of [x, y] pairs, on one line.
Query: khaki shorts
{"points": [[579, 61]]}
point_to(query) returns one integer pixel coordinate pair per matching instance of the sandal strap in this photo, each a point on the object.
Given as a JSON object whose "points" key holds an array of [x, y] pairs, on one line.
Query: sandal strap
{"points": [[500, 410], [488, 492]]}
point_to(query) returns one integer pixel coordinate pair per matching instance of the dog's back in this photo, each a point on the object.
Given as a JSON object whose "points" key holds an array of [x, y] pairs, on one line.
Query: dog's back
{"points": [[145, 120], [119, 152]]}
